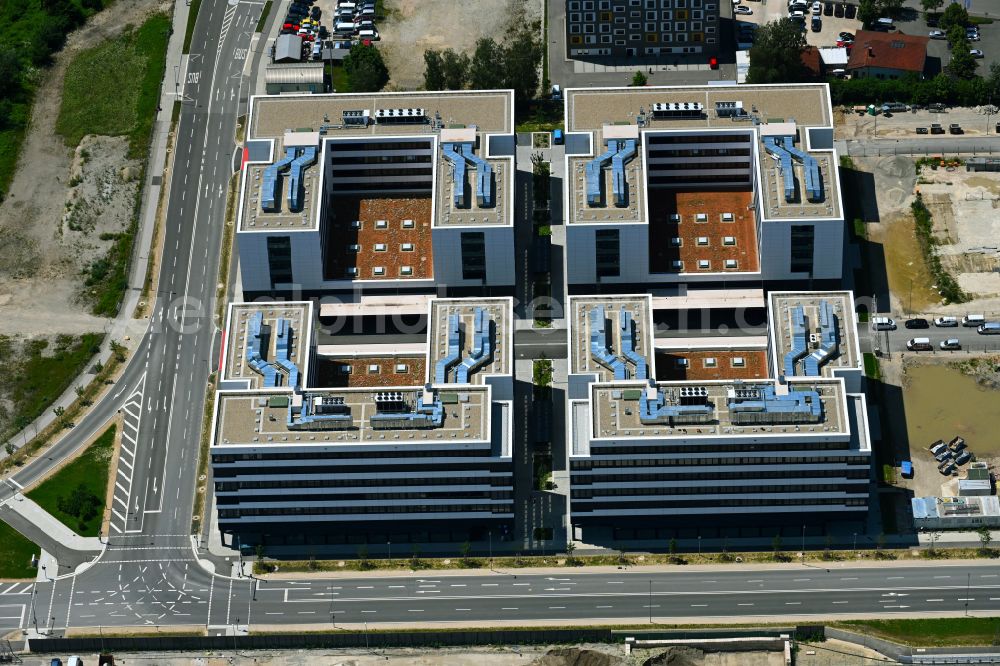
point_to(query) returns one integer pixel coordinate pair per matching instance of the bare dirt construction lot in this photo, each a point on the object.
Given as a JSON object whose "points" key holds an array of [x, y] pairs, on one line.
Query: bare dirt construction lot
{"points": [[61, 202], [974, 121], [414, 26], [964, 206]]}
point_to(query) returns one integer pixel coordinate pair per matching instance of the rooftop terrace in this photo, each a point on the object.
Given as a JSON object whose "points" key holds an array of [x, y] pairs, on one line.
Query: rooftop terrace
{"points": [[813, 333], [714, 409], [259, 347], [469, 340], [492, 112], [772, 189], [589, 109], [598, 343], [350, 415], [370, 371]]}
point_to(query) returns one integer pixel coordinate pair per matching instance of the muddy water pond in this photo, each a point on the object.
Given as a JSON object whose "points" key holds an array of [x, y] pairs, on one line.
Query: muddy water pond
{"points": [[942, 402]]}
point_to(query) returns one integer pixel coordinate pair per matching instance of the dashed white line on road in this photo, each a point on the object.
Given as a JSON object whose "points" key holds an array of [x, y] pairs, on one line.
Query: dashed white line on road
{"points": [[557, 608], [793, 603], [699, 605], [935, 600]]}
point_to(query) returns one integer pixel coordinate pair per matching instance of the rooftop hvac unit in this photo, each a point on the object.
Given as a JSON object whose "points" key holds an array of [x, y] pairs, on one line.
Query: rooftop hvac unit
{"points": [[746, 393], [357, 118], [352, 271], [390, 402], [675, 217], [416, 115], [728, 109], [693, 395], [356, 224], [666, 110], [728, 217], [701, 217]]}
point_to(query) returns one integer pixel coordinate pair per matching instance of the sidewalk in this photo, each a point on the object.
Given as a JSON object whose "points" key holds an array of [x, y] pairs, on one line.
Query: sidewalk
{"points": [[123, 325], [46, 523]]}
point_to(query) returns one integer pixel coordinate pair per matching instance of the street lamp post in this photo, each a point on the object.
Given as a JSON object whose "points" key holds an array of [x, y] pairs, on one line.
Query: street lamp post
{"points": [[491, 549], [803, 553], [388, 545], [699, 545], [855, 543]]}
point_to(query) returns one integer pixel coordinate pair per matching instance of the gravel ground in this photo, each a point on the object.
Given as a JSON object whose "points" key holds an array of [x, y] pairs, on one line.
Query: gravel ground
{"points": [[413, 26], [41, 257]]}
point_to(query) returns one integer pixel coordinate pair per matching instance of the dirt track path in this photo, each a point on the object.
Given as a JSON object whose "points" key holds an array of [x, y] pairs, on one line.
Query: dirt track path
{"points": [[39, 267]]}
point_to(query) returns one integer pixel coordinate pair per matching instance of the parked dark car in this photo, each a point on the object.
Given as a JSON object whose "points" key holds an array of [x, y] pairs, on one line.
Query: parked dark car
{"points": [[921, 130], [828, 9], [850, 11], [963, 458], [918, 322], [838, 10]]}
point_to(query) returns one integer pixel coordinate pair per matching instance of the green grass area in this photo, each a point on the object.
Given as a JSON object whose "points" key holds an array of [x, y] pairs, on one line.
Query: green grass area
{"points": [[339, 79], [263, 16], [15, 554], [38, 375], [933, 632], [91, 471], [113, 88], [10, 150], [859, 229], [541, 116], [872, 369], [189, 30], [888, 474]]}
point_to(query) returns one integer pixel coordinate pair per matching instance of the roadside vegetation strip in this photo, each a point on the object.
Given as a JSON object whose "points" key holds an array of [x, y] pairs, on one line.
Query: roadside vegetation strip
{"points": [[198, 519], [931, 632], [946, 285], [15, 554], [404, 560], [263, 17], [872, 369], [189, 30], [101, 382], [41, 372]]}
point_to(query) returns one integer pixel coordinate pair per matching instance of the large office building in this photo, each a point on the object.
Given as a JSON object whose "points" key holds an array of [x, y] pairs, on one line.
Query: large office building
{"points": [[706, 187], [380, 193], [638, 28], [317, 444], [709, 431]]}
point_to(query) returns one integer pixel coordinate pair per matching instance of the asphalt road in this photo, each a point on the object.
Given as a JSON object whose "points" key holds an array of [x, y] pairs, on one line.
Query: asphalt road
{"points": [[896, 340], [486, 598], [956, 145], [149, 562]]}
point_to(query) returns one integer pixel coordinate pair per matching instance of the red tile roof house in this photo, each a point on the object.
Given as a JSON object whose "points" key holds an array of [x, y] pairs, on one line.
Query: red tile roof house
{"points": [[887, 55]]}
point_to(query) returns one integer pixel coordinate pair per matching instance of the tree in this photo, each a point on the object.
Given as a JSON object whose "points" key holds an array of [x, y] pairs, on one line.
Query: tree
{"points": [[868, 12], [10, 69], [366, 71], [486, 68], [455, 68], [81, 503], [522, 55], [465, 549], [776, 54], [954, 14], [985, 538], [638, 80], [890, 8], [9, 448], [433, 70], [776, 543], [962, 64], [931, 5]]}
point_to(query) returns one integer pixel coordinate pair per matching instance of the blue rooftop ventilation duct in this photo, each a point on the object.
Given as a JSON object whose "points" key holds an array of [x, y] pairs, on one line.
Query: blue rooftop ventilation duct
{"points": [[482, 347], [283, 350], [595, 169], [457, 155], [484, 176], [393, 413], [599, 345], [269, 184], [457, 162], [454, 350], [618, 162], [774, 148], [628, 345], [814, 182], [828, 340], [254, 356], [320, 413], [763, 406], [305, 159], [689, 406], [800, 342]]}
